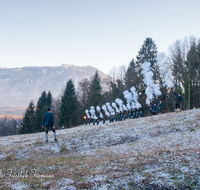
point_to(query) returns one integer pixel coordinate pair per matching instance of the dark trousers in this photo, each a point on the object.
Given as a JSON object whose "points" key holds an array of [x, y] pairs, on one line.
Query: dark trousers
{"points": [[47, 128], [177, 105]]}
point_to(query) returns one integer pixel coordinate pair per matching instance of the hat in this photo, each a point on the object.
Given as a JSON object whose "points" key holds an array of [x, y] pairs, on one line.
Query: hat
{"points": [[48, 109]]}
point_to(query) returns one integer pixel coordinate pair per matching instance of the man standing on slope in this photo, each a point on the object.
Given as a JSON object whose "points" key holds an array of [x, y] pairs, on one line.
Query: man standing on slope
{"points": [[48, 123], [160, 105], [177, 100]]}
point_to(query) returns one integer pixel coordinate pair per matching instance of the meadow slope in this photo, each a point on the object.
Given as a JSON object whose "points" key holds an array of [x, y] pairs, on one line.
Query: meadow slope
{"points": [[144, 153]]}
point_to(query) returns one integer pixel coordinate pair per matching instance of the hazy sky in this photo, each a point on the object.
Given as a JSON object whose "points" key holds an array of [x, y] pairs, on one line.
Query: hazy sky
{"points": [[100, 33]]}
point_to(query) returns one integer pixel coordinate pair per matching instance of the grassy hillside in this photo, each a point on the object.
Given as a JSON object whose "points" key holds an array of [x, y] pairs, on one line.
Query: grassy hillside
{"points": [[149, 153]]}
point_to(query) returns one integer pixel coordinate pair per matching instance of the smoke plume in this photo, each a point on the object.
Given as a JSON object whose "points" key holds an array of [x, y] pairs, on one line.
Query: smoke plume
{"points": [[148, 80]]}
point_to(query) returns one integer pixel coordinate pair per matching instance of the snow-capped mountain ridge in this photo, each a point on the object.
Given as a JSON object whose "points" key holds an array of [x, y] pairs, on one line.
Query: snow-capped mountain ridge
{"points": [[21, 85]]}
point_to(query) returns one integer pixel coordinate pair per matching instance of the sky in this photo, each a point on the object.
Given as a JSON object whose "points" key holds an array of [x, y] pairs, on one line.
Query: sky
{"points": [[100, 33]]}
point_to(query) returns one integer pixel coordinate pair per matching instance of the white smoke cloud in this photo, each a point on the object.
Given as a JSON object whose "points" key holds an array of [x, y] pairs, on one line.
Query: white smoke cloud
{"points": [[134, 103], [120, 103], [115, 106], [163, 70], [148, 80], [99, 110], [92, 111], [110, 109], [87, 113], [105, 110], [128, 97]]}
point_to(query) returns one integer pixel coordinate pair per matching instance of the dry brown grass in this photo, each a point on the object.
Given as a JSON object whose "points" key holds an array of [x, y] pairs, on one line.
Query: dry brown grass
{"points": [[125, 151]]}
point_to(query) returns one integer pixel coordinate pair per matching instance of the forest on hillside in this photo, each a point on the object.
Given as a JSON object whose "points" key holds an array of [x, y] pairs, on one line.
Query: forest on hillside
{"points": [[182, 63]]}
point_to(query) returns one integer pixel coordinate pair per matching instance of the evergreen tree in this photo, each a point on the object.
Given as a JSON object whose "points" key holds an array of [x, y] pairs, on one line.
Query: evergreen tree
{"points": [[49, 100], [95, 89], [131, 76], [148, 52], [41, 108], [28, 120], [67, 115]]}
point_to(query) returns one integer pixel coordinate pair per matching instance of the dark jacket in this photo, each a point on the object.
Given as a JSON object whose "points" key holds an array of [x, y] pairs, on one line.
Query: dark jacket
{"points": [[179, 97], [150, 110], [48, 119], [160, 104], [155, 108]]}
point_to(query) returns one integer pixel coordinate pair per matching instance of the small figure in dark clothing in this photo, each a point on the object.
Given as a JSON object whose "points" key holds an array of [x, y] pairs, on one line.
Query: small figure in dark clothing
{"points": [[97, 122], [138, 114], [48, 123], [177, 101], [86, 122], [133, 115], [160, 106], [150, 110], [151, 104], [141, 114], [155, 109], [129, 114], [124, 117], [89, 121], [110, 119], [104, 121], [113, 118], [119, 117]]}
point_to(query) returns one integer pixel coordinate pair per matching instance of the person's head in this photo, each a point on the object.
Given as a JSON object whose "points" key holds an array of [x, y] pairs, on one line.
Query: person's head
{"points": [[49, 109], [179, 93], [160, 101], [154, 104]]}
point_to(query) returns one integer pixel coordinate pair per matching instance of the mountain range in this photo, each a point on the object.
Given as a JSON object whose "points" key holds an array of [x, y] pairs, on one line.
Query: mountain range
{"points": [[21, 85]]}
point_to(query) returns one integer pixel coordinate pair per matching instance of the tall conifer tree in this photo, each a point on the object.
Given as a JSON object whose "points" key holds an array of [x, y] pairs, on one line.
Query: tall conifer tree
{"points": [[41, 108], [131, 76], [147, 53], [28, 120], [69, 103], [95, 96], [49, 100]]}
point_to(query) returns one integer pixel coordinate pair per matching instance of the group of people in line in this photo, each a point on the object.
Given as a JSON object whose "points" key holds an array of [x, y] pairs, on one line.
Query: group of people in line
{"points": [[132, 114], [154, 108]]}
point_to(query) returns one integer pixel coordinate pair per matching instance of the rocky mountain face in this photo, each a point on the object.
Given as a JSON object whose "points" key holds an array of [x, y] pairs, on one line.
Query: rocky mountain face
{"points": [[21, 85]]}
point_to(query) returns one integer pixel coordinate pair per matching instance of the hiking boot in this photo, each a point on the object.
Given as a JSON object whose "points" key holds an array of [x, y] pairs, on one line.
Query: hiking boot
{"points": [[56, 140], [47, 141]]}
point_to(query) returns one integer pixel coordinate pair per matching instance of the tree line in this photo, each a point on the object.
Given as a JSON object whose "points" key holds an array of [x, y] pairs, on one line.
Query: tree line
{"points": [[69, 109]]}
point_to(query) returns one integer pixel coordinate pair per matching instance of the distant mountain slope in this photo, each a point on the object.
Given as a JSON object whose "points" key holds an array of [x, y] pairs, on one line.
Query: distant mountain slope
{"points": [[21, 85]]}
